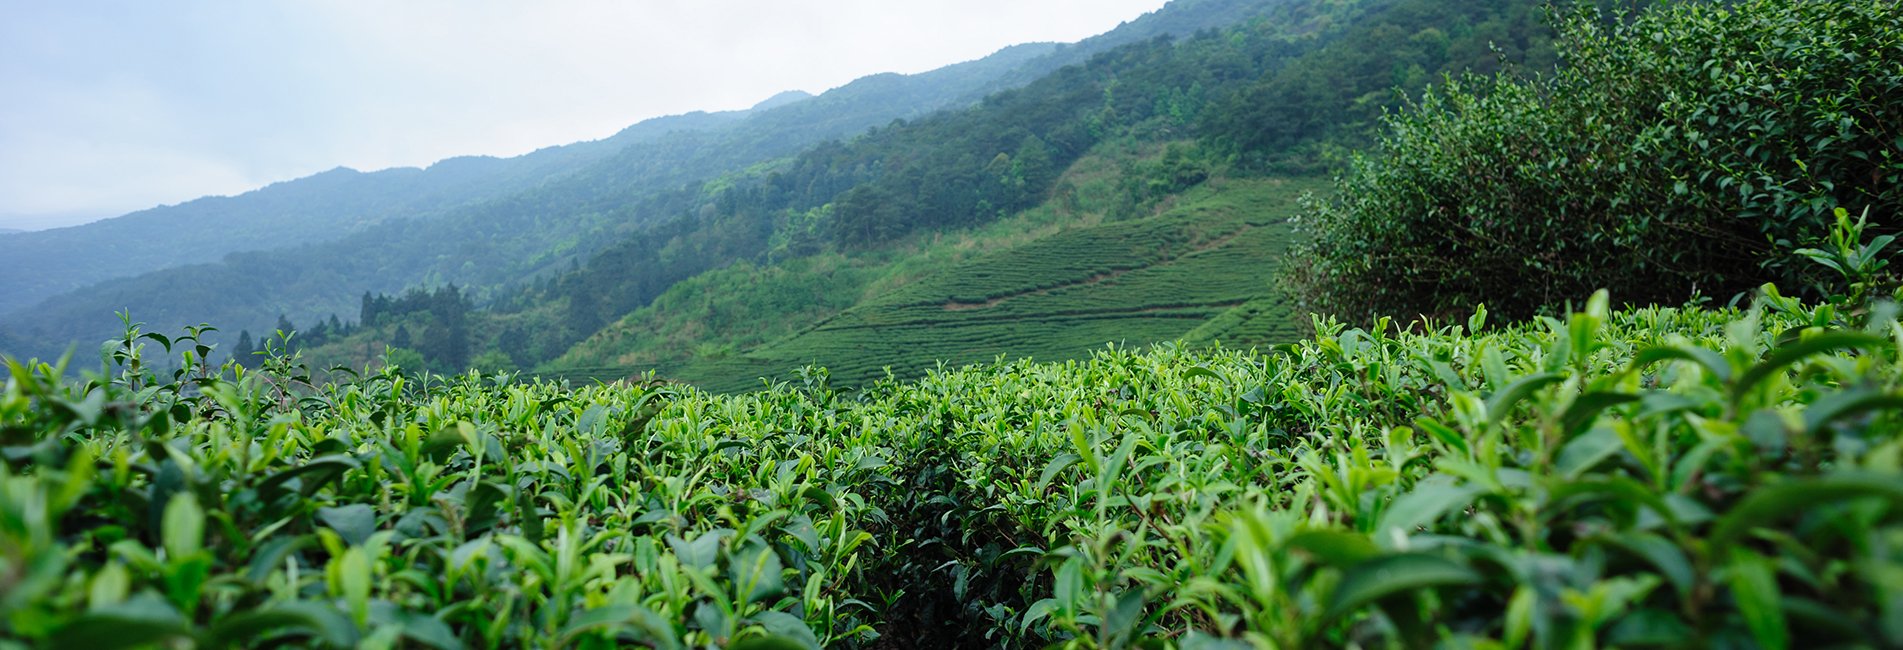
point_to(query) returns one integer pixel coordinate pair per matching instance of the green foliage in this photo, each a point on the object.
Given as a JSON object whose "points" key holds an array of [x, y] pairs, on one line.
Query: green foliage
{"points": [[670, 200], [404, 359], [738, 307], [1652, 477], [1643, 477], [243, 508], [1296, 116], [491, 363], [1858, 264], [1690, 148]]}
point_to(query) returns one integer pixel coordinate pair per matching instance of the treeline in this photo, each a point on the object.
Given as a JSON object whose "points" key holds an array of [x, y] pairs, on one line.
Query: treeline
{"points": [[288, 337], [428, 327], [964, 168]]}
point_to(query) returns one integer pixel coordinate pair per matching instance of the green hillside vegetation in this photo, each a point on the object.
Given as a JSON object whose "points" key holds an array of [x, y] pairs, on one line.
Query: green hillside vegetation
{"points": [[746, 304], [495, 241], [1687, 151], [715, 315], [1054, 298]]}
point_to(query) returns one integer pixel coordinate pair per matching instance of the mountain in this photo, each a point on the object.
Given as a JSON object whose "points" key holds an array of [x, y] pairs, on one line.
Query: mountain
{"points": [[315, 209], [781, 99], [505, 235]]}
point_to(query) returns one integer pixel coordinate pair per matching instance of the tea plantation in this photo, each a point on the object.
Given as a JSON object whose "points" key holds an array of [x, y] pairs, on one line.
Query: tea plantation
{"points": [[1057, 297], [1641, 477]]}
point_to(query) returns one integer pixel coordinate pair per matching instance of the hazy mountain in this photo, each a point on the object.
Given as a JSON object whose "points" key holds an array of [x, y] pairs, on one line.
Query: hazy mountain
{"points": [[313, 209], [782, 99]]}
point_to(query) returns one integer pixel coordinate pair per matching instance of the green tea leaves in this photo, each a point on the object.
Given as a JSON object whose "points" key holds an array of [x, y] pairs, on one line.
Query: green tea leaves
{"points": [[354, 523], [1388, 575]]}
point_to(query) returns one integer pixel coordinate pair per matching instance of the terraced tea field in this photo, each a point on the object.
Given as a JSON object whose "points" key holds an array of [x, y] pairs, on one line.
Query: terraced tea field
{"points": [[1199, 272]]}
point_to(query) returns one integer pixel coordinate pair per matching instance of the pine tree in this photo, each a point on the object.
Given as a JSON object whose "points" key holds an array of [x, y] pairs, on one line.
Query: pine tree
{"points": [[367, 313], [242, 353]]}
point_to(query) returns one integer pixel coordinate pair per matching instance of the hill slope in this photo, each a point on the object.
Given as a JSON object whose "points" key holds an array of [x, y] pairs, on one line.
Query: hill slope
{"points": [[1059, 296]]}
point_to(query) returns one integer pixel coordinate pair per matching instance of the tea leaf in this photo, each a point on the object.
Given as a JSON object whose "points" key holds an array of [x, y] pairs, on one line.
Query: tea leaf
{"points": [[1388, 575]]}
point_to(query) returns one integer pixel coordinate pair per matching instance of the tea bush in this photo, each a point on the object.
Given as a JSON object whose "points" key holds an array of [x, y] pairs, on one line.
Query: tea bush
{"points": [[1632, 478], [1647, 477], [239, 508], [1690, 148]]}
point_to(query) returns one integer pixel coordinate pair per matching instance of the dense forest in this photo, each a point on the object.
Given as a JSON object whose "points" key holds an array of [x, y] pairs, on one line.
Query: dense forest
{"points": [[1591, 339]]}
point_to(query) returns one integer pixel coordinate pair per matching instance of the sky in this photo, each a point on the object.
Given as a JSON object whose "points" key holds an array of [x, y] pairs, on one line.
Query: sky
{"points": [[110, 106]]}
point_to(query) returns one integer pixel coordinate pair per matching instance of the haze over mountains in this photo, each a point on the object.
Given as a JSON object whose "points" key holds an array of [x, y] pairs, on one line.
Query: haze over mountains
{"points": [[564, 241]]}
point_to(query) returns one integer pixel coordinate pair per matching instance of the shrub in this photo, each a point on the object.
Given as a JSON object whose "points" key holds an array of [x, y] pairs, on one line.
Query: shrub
{"points": [[1636, 478], [1687, 150]]}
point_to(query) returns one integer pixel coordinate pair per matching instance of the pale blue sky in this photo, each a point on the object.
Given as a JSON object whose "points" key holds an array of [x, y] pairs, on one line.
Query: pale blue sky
{"points": [[112, 106]]}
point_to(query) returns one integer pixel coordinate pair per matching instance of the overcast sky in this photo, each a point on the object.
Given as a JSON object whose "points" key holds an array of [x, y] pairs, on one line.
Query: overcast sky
{"points": [[112, 106]]}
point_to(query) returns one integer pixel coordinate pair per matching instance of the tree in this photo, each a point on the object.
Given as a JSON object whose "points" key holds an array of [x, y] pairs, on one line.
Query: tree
{"points": [[242, 353], [492, 362], [405, 359], [368, 313]]}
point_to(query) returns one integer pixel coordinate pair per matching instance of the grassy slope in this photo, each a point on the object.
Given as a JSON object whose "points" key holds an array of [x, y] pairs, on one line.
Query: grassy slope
{"points": [[1131, 282], [1035, 286]]}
